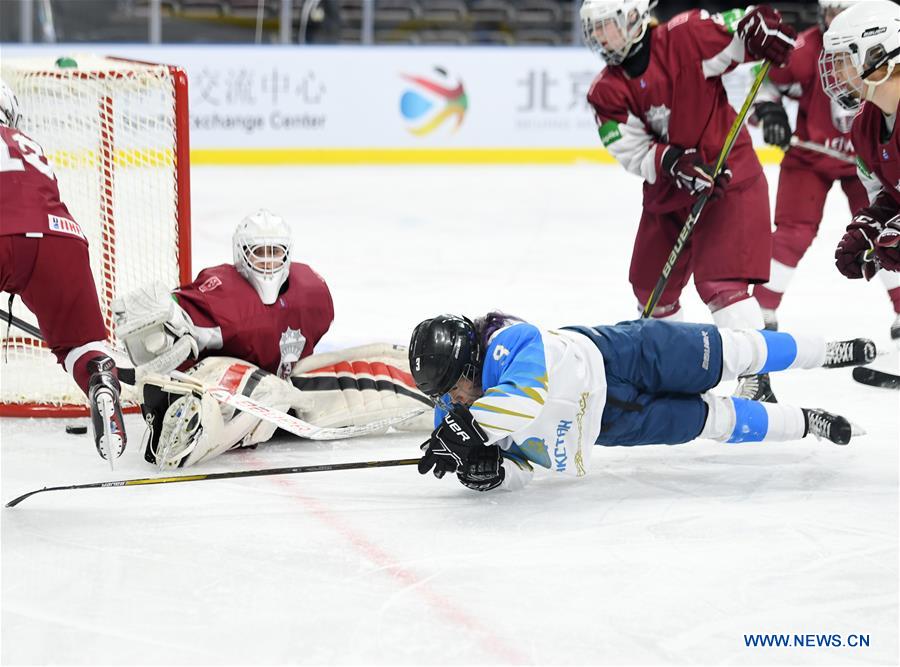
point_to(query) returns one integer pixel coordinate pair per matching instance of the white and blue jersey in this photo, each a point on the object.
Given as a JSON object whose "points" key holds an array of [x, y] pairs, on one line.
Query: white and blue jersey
{"points": [[544, 393]]}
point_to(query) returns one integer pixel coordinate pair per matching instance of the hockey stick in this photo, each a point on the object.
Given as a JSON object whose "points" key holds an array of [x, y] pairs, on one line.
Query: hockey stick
{"points": [[145, 481], [298, 426], [21, 324], [697, 208], [873, 378], [824, 150]]}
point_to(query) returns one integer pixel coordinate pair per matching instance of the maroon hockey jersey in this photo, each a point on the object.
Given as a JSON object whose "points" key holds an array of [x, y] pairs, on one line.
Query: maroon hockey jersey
{"points": [[30, 202], [233, 321], [678, 100], [818, 118], [878, 156]]}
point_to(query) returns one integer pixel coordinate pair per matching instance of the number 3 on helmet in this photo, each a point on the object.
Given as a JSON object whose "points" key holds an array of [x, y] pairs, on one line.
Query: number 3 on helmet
{"points": [[442, 350]]}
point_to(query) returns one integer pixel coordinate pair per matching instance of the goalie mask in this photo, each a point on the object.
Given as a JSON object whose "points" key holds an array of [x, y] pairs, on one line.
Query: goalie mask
{"points": [[262, 253], [442, 350], [860, 50], [611, 28], [9, 107]]}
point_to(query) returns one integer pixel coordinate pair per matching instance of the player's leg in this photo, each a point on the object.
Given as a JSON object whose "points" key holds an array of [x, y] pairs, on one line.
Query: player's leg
{"points": [[732, 250], [61, 293], [737, 420], [798, 213], [656, 236]]}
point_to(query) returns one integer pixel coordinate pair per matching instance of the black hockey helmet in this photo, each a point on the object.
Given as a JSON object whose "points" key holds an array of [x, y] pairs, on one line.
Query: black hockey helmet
{"points": [[441, 351]]}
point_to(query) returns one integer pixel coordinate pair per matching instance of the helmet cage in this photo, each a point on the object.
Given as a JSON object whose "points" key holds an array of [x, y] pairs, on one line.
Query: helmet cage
{"points": [[845, 75]]}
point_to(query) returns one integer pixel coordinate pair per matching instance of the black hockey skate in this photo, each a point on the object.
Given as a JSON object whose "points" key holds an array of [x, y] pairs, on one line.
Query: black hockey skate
{"points": [[755, 388], [106, 414], [854, 352], [825, 425], [895, 330]]}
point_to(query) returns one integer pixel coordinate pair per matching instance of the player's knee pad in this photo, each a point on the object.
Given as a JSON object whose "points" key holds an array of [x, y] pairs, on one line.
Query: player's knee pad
{"points": [[359, 385]]}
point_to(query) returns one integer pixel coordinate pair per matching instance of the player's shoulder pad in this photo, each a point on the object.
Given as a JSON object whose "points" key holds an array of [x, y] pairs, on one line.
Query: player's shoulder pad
{"points": [[510, 341], [608, 94]]}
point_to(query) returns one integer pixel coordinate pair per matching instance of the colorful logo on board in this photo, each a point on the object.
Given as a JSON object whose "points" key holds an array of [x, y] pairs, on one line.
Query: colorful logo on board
{"points": [[432, 101]]}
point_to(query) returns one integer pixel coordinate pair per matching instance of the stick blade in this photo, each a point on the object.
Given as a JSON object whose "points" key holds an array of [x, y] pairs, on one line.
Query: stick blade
{"points": [[873, 378]]}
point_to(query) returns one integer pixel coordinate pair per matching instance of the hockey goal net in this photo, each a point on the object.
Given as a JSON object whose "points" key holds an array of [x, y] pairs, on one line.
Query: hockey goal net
{"points": [[116, 133]]}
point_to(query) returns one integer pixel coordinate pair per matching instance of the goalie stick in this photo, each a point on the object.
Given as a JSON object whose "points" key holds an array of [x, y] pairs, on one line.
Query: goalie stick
{"points": [[873, 378], [145, 481], [298, 426]]}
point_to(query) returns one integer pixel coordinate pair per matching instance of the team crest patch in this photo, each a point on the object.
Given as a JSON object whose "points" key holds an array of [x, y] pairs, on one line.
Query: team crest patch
{"points": [[210, 284], [64, 225]]}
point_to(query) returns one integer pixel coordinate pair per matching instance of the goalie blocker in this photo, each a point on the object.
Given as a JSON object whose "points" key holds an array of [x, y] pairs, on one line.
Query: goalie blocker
{"points": [[353, 387]]}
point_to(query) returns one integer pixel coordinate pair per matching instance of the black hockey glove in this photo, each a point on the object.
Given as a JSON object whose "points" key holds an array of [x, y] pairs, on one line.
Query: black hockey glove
{"points": [[693, 175], [450, 444], [775, 126], [483, 469]]}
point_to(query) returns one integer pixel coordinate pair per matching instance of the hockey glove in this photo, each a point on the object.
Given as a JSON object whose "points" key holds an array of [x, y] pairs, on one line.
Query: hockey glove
{"points": [[450, 444], [483, 469], [775, 126], [887, 245], [692, 174], [852, 255], [766, 36]]}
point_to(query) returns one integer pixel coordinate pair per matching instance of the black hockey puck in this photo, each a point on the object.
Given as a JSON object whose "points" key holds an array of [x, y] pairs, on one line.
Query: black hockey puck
{"points": [[75, 429]]}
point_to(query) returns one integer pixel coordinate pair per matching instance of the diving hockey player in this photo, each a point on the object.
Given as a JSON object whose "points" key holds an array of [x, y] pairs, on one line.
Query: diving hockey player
{"points": [[253, 326], [858, 67], [510, 395], [44, 260], [663, 113], [807, 175]]}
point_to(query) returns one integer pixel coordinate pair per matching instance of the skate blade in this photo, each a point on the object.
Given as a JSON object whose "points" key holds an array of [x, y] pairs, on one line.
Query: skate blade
{"points": [[110, 443]]}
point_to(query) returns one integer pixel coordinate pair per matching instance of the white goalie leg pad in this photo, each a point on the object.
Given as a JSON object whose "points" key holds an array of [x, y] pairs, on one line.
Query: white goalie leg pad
{"points": [[225, 428], [361, 385]]}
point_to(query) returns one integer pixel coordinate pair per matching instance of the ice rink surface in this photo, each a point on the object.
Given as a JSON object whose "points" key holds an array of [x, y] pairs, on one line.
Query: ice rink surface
{"points": [[660, 555]]}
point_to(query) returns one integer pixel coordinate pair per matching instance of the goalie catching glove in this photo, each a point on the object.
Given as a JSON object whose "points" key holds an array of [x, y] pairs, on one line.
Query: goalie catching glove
{"points": [[157, 333]]}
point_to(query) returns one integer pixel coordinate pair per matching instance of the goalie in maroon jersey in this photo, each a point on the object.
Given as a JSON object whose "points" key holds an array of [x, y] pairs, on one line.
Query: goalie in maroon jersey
{"points": [[253, 326], [663, 113], [807, 175], [44, 261]]}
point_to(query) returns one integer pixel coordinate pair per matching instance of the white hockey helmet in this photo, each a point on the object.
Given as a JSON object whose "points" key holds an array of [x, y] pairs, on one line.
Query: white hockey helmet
{"points": [[612, 27], [828, 9], [862, 39], [262, 246], [9, 106]]}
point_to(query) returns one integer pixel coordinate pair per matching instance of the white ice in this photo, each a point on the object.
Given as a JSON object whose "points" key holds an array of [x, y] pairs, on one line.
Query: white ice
{"points": [[661, 555]]}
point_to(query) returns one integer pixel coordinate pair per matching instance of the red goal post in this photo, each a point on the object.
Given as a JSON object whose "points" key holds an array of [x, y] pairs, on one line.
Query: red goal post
{"points": [[117, 134]]}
